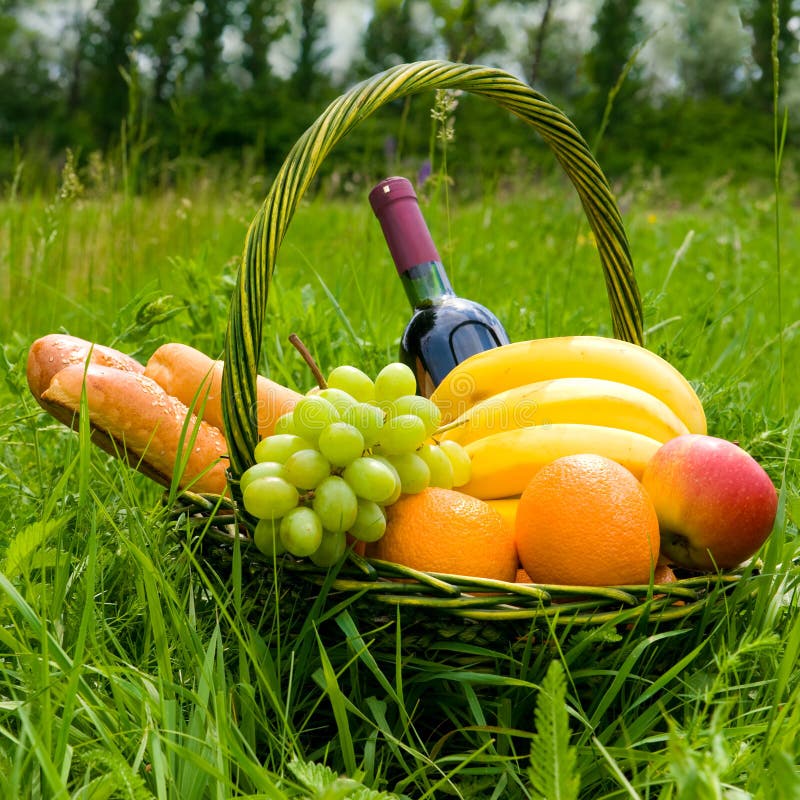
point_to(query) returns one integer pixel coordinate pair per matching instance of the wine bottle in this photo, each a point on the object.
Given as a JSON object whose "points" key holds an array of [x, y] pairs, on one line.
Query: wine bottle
{"points": [[444, 329]]}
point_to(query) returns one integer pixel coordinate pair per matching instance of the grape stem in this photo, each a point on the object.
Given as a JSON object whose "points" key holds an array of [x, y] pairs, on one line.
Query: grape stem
{"points": [[448, 427], [309, 359]]}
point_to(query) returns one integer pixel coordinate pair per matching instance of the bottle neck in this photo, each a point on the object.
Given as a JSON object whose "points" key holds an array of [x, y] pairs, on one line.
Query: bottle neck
{"points": [[426, 283]]}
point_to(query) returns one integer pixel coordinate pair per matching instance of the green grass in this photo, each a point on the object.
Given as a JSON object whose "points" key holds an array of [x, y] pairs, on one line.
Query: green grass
{"points": [[132, 667]]}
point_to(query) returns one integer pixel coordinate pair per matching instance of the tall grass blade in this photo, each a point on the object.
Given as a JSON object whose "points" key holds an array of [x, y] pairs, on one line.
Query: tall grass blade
{"points": [[338, 704], [779, 140], [356, 641], [616, 771]]}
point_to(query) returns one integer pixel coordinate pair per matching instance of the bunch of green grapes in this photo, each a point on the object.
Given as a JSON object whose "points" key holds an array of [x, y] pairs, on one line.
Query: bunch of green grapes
{"points": [[340, 457]]}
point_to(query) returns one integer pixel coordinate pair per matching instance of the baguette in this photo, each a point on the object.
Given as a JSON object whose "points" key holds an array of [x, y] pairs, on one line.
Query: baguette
{"points": [[53, 352], [134, 418], [196, 380]]}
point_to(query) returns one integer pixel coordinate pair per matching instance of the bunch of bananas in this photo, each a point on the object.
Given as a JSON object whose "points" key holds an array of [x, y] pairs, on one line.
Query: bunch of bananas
{"points": [[516, 408]]}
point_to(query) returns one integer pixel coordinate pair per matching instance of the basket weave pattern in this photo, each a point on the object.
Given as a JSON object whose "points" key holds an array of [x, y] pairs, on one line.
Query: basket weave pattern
{"points": [[372, 583]]}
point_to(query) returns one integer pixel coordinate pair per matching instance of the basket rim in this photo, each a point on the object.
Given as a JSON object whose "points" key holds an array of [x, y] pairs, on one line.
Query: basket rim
{"points": [[211, 527]]}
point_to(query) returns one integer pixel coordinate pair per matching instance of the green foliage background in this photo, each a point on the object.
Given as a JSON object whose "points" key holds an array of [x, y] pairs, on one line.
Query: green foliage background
{"points": [[175, 81]]}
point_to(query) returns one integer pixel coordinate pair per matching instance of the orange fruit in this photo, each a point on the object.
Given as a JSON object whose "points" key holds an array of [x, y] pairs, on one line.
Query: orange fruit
{"points": [[444, 530], [584, 520]]}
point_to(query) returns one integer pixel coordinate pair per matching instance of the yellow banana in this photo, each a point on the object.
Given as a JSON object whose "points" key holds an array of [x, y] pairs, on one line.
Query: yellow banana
{"points": [[591, 401], [504, 463], [519, 363], [507, 508]]}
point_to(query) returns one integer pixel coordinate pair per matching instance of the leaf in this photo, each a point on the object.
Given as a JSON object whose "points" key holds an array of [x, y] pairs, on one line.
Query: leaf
{"points": [[135, 321], [27, 544], [315, 777], [119, 778], [552, 770], [327, 785]]}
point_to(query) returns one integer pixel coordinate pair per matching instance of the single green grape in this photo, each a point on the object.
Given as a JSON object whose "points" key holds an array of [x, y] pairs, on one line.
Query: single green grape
{"points": [[419, 406], [353, 381], [267, 539], [284, 423], [370, 522], [330, 550], [459, 458], [341, 443], [305, 469], [393, 381], [312, 415], [368, 419], [335, 503], [415, 474], [398, 484], [279, 447], [269, 498], [338, 398], [301, 531], [261, 469], [402, 434], [370, 479], [439, 464]]}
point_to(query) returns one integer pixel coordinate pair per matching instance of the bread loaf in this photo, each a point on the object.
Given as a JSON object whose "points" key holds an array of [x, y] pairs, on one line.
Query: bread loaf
{"points": [[196, 380], [133, 417], [53, 352]]}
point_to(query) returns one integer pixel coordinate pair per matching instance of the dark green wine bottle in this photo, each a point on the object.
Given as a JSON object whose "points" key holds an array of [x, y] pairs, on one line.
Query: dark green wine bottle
{"points": [[445, 329]]}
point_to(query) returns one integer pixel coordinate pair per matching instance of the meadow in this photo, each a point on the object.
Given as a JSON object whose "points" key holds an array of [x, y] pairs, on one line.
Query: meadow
{"points": [[132, 667]]}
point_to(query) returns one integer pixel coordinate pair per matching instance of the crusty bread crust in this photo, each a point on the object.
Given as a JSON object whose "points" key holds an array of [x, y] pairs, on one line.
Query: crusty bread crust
{"points": [[133, 417], [53, 352], [196, 380], [50, 354]]}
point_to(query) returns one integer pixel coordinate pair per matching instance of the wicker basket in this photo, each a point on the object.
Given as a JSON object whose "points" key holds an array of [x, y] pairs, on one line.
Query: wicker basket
{"points": [[221, 530]]}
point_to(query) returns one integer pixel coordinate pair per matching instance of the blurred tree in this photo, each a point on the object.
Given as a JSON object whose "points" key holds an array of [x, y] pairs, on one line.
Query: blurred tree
{"points": [[538, 41], [74, 61], [554, 55], [264, 24], [618, 29], [104, 45], [28, 95], [465, 27], [713, 58], [307, 73], [162, 39], [757, 16], [206, 103], [392, 37], [213, 15]]}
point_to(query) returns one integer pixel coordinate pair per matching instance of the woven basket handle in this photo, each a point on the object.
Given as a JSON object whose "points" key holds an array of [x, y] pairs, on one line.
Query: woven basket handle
{"points": [[266, 232]]}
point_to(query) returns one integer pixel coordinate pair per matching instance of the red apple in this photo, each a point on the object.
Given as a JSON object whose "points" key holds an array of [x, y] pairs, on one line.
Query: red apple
{"points": [[715, 504]]}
